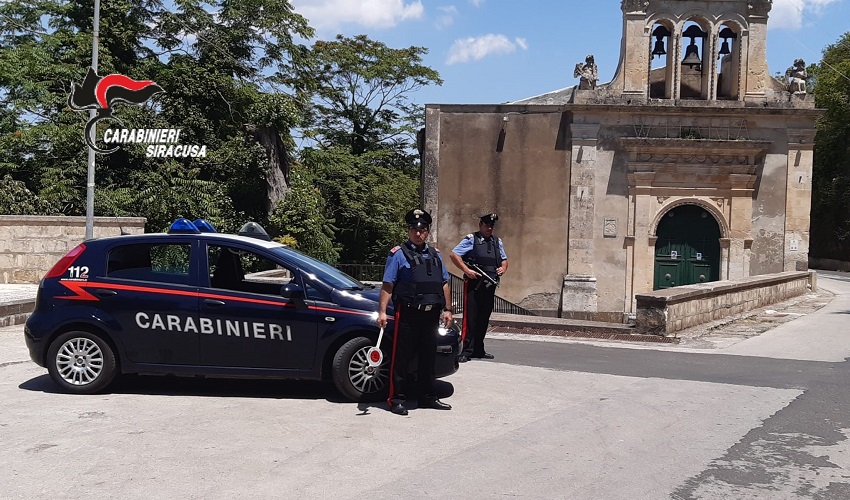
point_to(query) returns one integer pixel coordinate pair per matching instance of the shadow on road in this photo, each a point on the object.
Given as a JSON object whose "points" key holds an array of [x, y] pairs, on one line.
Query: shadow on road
{"points": [[171, 385], [442, 389]]}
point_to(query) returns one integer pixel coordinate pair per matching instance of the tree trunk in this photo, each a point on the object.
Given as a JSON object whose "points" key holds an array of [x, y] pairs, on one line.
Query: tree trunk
{"points": [[277, 168]]}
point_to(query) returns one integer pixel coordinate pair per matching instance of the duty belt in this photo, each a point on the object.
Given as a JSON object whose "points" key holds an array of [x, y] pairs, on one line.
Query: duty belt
{"points": [[421, 307]]}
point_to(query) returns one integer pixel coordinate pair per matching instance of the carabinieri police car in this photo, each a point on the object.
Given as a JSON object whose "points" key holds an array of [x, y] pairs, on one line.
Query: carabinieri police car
{"points": [[194, 301]]}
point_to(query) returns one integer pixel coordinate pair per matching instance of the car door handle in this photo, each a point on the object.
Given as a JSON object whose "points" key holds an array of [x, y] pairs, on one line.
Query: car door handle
{"points": [[213, 303], [102, 292]]}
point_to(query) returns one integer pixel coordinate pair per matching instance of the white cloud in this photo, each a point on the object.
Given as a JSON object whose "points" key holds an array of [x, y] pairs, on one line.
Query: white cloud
{"points": [[790, 14], [446, 17], [477, 48], [476, 3], [331, 14]]}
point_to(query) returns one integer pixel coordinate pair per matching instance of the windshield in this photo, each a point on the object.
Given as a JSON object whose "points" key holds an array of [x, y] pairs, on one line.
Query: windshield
{"points": [[323, 271]]}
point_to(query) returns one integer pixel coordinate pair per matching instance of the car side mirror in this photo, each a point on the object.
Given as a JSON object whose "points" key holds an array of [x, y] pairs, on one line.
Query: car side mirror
{"points": [[292, 291]]}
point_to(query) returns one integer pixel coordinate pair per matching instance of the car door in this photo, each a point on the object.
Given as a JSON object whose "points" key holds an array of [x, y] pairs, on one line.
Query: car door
{"points": [[245, 320], [149, 292]]}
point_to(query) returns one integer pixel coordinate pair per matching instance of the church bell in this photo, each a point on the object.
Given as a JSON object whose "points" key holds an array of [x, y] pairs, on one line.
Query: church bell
{"points": [[692, 52], [692, 56]]}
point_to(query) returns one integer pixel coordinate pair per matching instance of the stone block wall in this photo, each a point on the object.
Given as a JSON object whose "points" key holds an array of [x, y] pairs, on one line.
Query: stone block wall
{"points": [[665, 312], [30, 245]]}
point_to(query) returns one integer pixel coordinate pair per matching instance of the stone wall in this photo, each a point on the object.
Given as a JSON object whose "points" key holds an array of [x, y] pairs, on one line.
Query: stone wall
{"points": [[30, 245], [665, 312]]}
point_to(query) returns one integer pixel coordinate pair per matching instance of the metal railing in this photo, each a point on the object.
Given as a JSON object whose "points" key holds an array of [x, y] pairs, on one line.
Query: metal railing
{"points": [[499, 306], [363, 272]]}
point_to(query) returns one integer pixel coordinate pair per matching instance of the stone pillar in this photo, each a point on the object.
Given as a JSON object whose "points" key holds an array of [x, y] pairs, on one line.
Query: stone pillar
{"points": [[579, 293], [740, 229], [628, 300], [798, 198], [724, 258], [757, 74], [646, 207], [635, 48], [580, 245], [429, 165]]}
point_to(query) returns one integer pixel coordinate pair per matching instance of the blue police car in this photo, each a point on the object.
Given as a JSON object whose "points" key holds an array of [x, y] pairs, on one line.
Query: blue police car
{"points": [[194, 301]]}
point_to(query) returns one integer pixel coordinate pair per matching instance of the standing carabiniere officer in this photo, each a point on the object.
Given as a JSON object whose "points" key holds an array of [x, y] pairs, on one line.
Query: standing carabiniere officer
{"points": [[416, 280], [484, 250]]}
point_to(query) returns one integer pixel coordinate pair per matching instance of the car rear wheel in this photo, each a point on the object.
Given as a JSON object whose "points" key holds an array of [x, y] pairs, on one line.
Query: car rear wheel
{"points": [[353, 376], [81, 362]]}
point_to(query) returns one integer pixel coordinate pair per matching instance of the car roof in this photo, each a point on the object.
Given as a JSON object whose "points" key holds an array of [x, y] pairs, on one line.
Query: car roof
{"points": [[202, 236]]}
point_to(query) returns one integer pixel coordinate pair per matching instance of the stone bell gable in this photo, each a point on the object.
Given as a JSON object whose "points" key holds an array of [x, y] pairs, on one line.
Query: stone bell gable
{"points": [[692, 164]]}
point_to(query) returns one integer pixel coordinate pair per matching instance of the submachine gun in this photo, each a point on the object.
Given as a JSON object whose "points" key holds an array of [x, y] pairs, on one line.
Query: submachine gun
{"points": [[490, 281]]}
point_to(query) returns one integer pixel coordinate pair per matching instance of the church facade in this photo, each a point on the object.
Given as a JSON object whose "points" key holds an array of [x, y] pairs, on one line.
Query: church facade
{"points": [[692, 164]]}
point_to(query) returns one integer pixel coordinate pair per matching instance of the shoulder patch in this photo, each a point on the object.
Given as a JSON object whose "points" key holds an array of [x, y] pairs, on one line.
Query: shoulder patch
{"points": [[395, 249]]}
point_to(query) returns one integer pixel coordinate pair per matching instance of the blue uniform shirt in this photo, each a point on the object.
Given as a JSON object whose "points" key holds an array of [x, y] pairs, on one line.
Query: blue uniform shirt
{"points": [[466, 244], [397, 268]]}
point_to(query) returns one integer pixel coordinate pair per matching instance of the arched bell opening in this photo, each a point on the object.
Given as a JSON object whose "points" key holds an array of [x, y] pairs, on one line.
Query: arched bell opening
{"points": [[728, 62], [662, 61], [692, 83]]}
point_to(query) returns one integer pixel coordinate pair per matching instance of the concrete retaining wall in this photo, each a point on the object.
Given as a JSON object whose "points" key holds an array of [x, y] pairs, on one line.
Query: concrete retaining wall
{"points": [[31, 244], [665, 312]]}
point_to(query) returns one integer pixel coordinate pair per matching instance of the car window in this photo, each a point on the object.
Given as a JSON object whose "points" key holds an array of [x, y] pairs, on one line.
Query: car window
{"points": [[163, 263], [327, 273], [240, 270]]}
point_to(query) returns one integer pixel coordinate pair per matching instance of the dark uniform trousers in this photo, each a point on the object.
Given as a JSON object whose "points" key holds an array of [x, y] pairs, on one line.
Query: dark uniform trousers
{"points": [[415, 341], [476, 314]]}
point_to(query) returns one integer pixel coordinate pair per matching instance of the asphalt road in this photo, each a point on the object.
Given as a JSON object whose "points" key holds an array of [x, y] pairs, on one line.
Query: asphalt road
{"points": [[767, 417]]}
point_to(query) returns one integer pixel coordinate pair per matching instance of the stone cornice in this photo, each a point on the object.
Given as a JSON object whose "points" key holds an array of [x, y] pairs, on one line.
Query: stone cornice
{"points": [[800, 136], [718, 150], [684, 163], [584, 131]]}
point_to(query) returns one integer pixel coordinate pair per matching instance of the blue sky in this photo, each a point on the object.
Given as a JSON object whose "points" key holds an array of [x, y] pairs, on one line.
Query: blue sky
{"points": [[493, 51]]}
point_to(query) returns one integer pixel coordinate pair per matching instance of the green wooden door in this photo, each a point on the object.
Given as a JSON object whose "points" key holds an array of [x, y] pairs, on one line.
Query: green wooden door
{"points": [[688, 248]]}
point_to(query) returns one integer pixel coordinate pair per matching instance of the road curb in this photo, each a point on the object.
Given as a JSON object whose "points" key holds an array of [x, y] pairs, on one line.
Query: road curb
{"points": [[16, 312]]}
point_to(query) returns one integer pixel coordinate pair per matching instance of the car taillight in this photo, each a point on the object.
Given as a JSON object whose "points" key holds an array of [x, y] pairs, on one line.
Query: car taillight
{"points": [[65, 262]]}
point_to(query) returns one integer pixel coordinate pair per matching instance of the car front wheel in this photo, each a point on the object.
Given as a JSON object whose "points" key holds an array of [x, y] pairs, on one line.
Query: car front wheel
{"points": [[353, 376], [81, 362]]}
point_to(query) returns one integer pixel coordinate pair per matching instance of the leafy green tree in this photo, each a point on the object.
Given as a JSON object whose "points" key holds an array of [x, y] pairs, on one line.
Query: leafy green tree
{"points": [[366, 199], [16, 199], [219, 62], [301, 220], [364, 91], [364, 124], [830, 226]]}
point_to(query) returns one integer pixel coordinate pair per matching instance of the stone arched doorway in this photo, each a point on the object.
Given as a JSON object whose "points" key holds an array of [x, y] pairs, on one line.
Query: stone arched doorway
{"points": [[687, 250]]}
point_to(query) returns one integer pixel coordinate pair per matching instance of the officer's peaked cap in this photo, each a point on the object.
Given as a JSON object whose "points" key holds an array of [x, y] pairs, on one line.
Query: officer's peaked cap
{"points": [[417, 218], [489, 219]]}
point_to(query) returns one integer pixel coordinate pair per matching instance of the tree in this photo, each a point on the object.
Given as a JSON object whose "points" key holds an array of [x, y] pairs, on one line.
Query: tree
{"points": [[302, 221], [830, 226], [363, 96], [366, 199], [365, 161], [16, 199], [219, 63]]}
